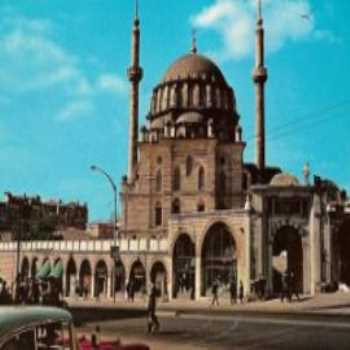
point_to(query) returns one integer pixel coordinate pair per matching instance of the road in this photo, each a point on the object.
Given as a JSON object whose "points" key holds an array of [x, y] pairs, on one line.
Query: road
{"points": [[222, 332]]}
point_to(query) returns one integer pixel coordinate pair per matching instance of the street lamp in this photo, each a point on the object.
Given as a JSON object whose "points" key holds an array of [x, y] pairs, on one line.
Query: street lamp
{"points": [[114, 248]]}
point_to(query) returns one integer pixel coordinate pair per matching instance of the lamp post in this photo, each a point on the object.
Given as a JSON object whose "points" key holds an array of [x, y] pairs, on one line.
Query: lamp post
{"points": [[114, 248]]}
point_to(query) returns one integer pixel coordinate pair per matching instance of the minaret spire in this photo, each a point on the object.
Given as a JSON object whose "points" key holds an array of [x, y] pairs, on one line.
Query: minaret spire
{"points": [[194, 42], [260, 77], [135, 74]]}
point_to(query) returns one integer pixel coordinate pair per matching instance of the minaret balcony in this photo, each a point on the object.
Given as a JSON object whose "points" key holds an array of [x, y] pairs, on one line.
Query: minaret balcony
{"points": [[135, 74], [260, 75]]}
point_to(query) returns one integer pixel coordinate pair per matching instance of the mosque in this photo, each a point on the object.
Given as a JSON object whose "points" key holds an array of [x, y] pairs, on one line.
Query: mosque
{"points": [[194, 212], [223, 218]]}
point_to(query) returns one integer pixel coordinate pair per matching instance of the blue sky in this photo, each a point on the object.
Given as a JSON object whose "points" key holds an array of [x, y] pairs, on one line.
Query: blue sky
{"points": [[64, 92]]}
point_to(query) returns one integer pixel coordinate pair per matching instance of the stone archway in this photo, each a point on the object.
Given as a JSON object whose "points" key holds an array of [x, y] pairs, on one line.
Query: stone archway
{"points": [[120, 276], [101, 279], [34, 267], [71, 278], [25, 268], [85, 278], [159, 277], [184, 267], [343, 249], [287, 258], [137, 277], [219, 259]]}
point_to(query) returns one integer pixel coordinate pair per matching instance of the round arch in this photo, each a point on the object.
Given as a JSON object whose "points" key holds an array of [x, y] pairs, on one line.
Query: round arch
{"points": [[159, 277], [287, 257], [101, 279], [219, 258], [137, 277], [342, 249], [184, 267], [34, 267], [25, 269], [85, 278], [120, 277], [71, 277]]}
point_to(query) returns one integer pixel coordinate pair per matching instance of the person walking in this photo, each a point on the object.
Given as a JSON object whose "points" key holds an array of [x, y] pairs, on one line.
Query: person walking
{"points": [[241, 292], [233, 291], [215, 292], [285, 287], [294, 286], [152, 319]]}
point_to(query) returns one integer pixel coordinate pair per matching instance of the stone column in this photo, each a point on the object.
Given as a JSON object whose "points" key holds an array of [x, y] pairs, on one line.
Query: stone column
{"points": [[198, 268], [109, 293], [92, 284], [247, 243], [315, 246]]}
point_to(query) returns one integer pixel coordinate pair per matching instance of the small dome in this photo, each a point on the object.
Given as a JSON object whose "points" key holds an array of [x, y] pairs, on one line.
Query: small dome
{"points": [[190, 118], [193, 65], [285, 180]]}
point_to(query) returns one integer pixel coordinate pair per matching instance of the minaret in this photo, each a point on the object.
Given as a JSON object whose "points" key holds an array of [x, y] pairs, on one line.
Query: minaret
{"points": [[135, 75], [260, 77]]}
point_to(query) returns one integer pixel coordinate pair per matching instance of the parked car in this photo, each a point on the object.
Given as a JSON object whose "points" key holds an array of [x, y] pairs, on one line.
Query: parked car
{"points": [[46, 328]]}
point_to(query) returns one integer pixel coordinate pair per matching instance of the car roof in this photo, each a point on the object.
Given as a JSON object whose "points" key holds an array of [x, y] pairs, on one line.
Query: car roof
{"points": [[14, 318]]}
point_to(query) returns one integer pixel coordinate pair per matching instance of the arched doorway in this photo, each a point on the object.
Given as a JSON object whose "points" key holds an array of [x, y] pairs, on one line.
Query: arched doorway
{"points": [[138, 277], [159, 278], [287, 258], [101, 279], [85, 276], [71, 278], [219, 262], [25, 268], [34, 268], [184, 267], [343, 248], [119, 278]]}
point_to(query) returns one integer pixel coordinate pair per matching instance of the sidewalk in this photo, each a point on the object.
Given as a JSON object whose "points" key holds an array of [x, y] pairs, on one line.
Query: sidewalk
{"points": [[336, 304]]}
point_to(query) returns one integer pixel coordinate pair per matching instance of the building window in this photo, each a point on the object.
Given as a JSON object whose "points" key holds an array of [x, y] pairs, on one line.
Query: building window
{"points": [[200, 207], [189, 165], [175, 207], [158, 215], [222, 182], [201, 179], [159, 181], [177, 179]]}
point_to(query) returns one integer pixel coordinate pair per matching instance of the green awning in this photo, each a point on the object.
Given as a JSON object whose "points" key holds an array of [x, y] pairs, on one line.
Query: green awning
{"points": [[44, 270], [57, 270]]}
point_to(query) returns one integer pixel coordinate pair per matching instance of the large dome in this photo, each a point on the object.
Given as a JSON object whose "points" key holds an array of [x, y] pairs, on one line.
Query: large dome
{"points": [[193, 65], [195, 99]]}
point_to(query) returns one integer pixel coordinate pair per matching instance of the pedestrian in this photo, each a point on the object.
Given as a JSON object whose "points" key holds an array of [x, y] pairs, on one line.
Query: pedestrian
{"points": [[233, 291], [294, 286], [285, 287], [152, 320], [215, 292], [241, 292]]}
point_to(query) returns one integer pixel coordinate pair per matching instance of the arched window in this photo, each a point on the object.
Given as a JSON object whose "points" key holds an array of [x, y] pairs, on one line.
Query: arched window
{"points": [[175, 207], [196, 96], [189, 165], [159, 181], [223, 182], [208, 92], [177, 179], [201, 180], [158, 214], [185, 95], [245, 181], [200, 206]]}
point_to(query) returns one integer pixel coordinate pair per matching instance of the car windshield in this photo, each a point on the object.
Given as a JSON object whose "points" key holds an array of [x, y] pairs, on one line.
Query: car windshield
{"points": [[49, 336]]}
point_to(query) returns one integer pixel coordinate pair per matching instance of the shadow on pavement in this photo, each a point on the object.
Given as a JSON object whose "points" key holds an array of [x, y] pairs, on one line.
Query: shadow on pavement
{"points": [[84, 315]]}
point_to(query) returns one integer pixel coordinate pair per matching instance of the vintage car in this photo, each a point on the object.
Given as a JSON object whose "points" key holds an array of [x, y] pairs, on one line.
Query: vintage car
{"points": [[47, 328]]}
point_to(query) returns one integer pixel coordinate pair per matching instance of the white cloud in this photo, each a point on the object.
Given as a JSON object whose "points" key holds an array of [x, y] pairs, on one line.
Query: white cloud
{"points": [[235, 21], [112, 83], [75, 109], [32, 60]]}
